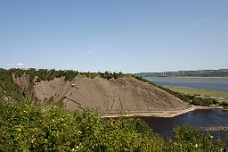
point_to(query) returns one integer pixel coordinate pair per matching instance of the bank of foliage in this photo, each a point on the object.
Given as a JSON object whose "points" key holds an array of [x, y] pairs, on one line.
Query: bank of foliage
{"points": [[24, 127], [50, 74], [225, 104], [8, 89], [191, 99]]}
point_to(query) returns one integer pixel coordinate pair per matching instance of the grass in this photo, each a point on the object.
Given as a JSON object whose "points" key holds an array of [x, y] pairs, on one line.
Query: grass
{"points": [[50, 100], [203, 93]]}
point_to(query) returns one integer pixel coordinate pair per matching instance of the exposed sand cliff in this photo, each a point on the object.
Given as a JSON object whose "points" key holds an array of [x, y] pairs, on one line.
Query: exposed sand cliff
{"points": [[127, 95]]}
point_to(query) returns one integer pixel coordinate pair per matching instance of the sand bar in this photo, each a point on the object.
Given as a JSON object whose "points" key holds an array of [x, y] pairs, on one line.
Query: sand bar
{"points": [[162, 114]]}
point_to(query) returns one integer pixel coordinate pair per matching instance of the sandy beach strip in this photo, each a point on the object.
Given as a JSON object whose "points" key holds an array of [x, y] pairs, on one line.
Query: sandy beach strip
{"points": [[161, 114]]}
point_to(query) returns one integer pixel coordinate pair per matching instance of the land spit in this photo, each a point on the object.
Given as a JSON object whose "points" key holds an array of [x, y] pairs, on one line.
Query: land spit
{"points": [[161, 114], [216, 128]]}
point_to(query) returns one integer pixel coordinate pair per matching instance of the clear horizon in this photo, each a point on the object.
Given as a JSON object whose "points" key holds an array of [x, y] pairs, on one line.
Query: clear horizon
{"points": [[130, 36]]}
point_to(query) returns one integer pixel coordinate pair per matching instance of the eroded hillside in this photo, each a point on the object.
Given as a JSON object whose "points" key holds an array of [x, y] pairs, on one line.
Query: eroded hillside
{"points": [[107, 96]]}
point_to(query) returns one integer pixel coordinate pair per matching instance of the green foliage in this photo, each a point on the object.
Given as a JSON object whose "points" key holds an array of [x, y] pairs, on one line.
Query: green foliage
{"points": [[70, 74], [190, 98], [202, 101], [50, 100], [7, 86], [59, 104], [47, 75], [24, 127], [189, 139], [115, 135], [224, 104], [109, 75]]}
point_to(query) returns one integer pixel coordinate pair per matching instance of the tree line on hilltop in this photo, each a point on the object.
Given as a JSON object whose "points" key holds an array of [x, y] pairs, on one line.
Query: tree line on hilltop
{"points": [[8, 89], [50, 74]]}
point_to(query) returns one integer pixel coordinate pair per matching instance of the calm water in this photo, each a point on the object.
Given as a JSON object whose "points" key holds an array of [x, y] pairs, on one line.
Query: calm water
{"points": [[197, 118], [219, 84]]}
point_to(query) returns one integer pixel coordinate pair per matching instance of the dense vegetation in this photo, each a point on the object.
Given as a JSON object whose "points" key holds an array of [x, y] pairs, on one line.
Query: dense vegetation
{"points": [[24, 127], [47, 75], [198, 73], [225, 105], [8, 89]]}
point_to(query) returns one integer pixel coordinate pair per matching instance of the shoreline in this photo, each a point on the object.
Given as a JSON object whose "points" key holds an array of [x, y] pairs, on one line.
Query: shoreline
{"points": [[215, 128], [159, 114], [181, 87]]}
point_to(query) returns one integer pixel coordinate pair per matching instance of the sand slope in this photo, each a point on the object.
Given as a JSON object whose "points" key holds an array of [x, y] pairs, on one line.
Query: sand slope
{"points": [[107, 96]]}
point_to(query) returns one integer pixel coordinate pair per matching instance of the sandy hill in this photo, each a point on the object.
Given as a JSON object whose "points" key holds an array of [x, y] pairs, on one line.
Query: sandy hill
{"points": [[107, 96]]}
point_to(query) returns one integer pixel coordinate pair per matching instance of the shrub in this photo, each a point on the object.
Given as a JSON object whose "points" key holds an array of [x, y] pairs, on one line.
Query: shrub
{"points": [[24, 127], [191, 139]]}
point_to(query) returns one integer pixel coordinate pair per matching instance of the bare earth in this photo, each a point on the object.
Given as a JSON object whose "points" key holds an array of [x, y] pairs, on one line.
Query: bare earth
{"points": [[127, 96]]}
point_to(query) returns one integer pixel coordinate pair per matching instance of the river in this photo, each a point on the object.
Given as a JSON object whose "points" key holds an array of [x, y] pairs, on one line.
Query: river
{"points": [[197, 118], [218, 84]]}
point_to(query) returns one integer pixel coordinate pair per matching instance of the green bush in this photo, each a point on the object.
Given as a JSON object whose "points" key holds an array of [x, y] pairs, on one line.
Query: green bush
{"points": [[224, 103], [25, 127], [189, 139], [50, 100]]}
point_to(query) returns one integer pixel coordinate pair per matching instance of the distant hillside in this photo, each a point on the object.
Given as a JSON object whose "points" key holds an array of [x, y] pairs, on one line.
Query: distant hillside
{"points": [[198, 73], [106, 92]]}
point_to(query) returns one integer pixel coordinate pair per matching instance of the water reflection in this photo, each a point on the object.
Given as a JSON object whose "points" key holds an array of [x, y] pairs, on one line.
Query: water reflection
{"points": [[197, 118]]}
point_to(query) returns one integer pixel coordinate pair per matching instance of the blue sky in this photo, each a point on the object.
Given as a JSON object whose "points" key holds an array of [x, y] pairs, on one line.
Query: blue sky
{"points": [[114, 35]]}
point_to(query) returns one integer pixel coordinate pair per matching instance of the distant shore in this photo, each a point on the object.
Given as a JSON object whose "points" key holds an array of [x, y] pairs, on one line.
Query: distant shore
{"points": [[195, 77], [160, 114], [186, 77]]}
